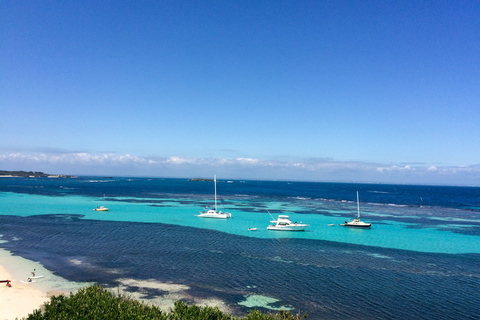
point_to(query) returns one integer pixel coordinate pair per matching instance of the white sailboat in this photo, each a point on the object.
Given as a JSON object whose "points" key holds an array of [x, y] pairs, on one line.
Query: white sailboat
{"points": [[355, 222], [101, 208], [213, 213]]}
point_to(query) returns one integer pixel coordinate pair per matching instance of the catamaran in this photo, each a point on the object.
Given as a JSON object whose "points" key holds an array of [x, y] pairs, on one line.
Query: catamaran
{"points": [[355, 222], [213, 213]]}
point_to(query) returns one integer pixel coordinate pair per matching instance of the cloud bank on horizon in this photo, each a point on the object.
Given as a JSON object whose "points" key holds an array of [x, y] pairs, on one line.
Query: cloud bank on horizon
{"points": [[82, 163]]}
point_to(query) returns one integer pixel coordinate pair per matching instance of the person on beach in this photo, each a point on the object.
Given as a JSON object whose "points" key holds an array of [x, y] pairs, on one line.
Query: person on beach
{"points": [[33, 273]]}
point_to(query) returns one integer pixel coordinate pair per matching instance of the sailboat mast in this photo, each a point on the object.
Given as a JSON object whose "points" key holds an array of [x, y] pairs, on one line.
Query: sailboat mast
{"points": [[358, 206], [215, 180]]}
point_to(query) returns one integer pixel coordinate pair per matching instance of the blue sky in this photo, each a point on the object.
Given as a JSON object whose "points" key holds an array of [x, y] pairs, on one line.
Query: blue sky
{"points": [[366, 91]]}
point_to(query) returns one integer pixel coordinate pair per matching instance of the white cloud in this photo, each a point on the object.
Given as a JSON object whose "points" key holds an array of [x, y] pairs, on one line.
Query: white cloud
{"points": [[83, 163], [179, 161], [75, 159], [247, 161], [395, 168]]}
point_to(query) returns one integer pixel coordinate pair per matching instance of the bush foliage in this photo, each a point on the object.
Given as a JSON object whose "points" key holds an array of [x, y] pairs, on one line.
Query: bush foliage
{"points": [[96, 302]]}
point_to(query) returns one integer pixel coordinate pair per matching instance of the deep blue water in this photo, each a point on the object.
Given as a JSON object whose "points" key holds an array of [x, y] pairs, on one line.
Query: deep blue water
{"points": [[328, 272], [410, 195]]}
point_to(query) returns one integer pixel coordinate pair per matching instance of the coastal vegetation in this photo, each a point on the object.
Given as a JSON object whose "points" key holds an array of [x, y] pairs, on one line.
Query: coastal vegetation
{"points": [[95, 302], [31, 174]]}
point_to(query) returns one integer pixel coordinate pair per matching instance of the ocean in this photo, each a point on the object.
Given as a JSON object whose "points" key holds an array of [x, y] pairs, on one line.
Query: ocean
{"points": [[419, 260]]}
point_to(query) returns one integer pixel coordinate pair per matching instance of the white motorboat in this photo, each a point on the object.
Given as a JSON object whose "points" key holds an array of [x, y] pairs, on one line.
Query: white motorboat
{"points": [[355, 222], [213, 213], [283, 223]]}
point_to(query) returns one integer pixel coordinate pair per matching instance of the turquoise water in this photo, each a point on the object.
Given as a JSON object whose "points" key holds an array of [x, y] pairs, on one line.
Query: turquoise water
{"points": [[418, 261], [384, 233]]}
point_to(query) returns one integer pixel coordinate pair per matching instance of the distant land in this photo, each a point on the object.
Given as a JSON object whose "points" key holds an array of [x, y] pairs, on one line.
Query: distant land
{"points": [[31, 174], [198, 179]]}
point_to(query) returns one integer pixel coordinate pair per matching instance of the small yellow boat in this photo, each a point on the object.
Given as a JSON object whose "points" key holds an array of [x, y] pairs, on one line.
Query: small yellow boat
{"points": [[101, 208]]}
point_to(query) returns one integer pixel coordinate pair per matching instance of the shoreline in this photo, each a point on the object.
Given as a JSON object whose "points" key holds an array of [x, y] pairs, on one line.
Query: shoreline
{"points": [[19, 300], [23, 297]]}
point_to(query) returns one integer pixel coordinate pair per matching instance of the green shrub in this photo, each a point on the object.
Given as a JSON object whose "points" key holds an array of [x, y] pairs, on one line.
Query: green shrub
{"points": [[182, 311], [97, 303]]}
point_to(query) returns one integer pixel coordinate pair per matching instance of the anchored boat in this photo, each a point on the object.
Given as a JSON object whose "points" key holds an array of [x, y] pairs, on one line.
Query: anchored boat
{"points": [[355, 222], [283, 223], [213, 213], [101, 208]]}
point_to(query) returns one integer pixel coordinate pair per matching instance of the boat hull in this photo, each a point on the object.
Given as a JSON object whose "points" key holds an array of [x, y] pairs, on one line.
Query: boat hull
{"points": [[214, 215], [366, 225], [217, 216], [288, 228]]}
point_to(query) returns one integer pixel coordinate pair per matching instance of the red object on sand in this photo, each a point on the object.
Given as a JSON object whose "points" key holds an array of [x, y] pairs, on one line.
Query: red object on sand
{"points": [[7, 281]]}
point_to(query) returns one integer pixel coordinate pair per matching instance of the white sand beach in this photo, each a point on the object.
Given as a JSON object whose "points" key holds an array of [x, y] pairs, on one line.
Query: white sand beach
{"points": [[22, 298]]}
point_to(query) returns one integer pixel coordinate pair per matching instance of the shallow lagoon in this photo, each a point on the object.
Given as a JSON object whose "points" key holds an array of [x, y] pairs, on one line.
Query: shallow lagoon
{"points": [[386, 232]]}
